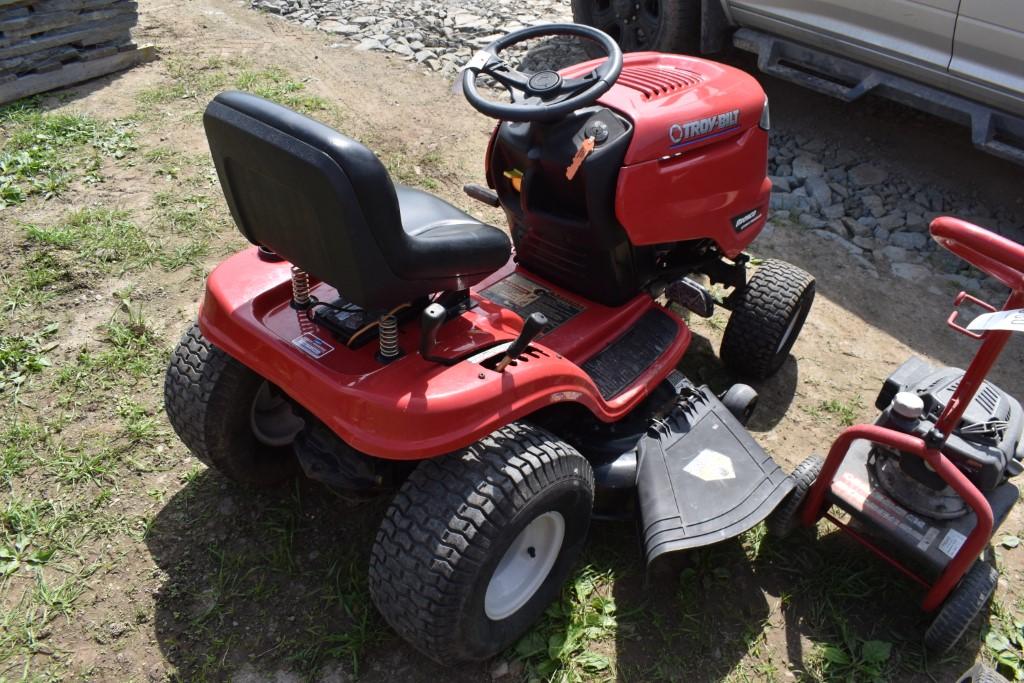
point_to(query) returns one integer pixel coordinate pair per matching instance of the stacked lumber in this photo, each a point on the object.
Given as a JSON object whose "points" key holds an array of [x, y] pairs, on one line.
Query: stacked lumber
{"points": [[41, 39]]}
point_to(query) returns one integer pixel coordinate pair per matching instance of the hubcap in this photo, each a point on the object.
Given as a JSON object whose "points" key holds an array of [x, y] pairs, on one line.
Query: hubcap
{"points": [[272, 420], [524, 566]]}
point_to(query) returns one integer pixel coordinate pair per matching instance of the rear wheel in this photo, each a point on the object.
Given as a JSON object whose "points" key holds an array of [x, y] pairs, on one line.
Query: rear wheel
{"points": [[227, 415], [659, 25], [476, 544], [961, 607], [767, 316]]}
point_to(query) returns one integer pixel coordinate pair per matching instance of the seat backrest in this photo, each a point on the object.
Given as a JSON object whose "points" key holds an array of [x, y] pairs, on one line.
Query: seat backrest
{"points": [[315, 197]]}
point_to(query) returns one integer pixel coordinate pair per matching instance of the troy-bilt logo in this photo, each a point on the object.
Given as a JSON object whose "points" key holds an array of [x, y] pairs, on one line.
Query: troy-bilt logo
{"points": [[685, 133]]}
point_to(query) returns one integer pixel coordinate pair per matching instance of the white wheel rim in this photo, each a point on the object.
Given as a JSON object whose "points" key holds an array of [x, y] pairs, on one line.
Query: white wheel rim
{"points": [[272, 420], [525, 565], [788, 333]]}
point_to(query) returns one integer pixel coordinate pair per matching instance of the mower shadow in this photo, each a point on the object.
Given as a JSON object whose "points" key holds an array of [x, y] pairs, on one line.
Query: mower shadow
{"points": [[834, 596], [720, 612], [692, 619], [775, 394], [274, 583]]}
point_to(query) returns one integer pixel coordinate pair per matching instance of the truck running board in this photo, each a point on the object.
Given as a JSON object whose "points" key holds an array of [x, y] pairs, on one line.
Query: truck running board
{"points": [[992, 130], [701, 477]]}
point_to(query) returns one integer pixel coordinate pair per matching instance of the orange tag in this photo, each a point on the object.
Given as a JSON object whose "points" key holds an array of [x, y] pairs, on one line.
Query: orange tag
{"points": [[586, 147]]}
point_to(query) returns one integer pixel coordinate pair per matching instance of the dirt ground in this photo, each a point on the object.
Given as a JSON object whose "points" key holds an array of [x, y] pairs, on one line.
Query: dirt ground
{"points": [[161, 570]]}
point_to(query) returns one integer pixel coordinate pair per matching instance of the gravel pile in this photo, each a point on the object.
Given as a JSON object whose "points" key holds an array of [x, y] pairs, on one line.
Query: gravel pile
{"points": [[876, 217], [441, 35]]}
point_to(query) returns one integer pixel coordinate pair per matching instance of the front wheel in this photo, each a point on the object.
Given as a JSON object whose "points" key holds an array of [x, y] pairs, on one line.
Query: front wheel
{"points": [[476, 544], [785, 519], [767, 316]]}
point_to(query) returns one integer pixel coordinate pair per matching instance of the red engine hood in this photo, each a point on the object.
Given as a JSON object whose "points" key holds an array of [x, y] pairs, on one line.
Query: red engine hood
{"points": [[679, 103]]}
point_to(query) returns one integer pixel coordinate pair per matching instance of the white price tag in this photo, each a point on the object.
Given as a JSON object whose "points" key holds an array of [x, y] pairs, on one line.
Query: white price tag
{"points": [[1012, 321]]}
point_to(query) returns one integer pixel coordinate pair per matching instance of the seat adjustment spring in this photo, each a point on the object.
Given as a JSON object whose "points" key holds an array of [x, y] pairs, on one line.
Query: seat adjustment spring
{"points": [[300, 287], [388, 331]]}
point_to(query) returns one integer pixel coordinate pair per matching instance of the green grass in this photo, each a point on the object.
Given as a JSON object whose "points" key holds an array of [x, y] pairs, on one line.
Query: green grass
{"points": [[43, 153], [95, 236], [421, 170], [131, 352], [200, 82]]}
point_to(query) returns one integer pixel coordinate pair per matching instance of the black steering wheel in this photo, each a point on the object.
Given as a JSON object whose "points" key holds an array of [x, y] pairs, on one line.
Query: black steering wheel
{"points": [[545, 95]]}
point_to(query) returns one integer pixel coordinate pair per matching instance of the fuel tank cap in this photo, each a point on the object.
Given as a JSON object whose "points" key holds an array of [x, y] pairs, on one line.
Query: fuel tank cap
{"points": [[908, 404]]}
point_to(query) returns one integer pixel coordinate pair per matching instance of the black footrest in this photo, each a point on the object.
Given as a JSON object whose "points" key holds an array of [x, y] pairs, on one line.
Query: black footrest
{"points": [[619, 364], [702, 478]]}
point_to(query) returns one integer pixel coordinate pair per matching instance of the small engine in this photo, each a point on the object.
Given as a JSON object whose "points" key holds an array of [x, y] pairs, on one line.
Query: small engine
{"points": [[986, 445]]}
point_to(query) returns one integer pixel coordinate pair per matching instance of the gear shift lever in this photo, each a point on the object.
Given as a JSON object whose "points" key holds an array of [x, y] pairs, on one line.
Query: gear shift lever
{"points": [[534, 325]]}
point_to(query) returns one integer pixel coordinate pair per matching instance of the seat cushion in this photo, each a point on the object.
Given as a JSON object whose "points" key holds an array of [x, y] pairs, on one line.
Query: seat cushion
{"points": [[443, 241]]}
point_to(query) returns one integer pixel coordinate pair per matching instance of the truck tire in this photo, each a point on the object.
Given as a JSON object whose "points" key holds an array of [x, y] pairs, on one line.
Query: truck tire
{"points": [[659, 25], [213, 402], [477, 544], [767, 316]]}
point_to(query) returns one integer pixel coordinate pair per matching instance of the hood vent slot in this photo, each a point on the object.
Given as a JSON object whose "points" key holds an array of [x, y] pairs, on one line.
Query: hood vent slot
{"points": [[653, 82]]}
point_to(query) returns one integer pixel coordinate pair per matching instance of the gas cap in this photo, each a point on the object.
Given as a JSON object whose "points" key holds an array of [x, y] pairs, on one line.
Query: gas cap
{"points": [[908, 404]]}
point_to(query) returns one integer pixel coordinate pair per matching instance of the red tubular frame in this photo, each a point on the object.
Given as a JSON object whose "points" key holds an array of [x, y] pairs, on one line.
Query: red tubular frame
{"points": [[1004, 260]]}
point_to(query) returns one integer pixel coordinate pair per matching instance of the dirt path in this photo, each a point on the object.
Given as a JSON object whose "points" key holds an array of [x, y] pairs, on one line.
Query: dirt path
{"points": [[190, 578]]}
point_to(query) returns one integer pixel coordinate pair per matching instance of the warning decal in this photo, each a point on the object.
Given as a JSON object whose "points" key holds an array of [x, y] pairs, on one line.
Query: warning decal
{"points": [[952, 542], [884, 510], [524, 296], [711, 465], [312, 345]]}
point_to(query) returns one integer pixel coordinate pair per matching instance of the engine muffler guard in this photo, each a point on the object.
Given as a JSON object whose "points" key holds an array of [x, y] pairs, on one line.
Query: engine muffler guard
{"points": [[702, 478]]}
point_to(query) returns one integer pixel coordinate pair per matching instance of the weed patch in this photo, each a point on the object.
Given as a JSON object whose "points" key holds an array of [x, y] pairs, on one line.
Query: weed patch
{"points": [[845, 411], [560, 647], [43, 153], [97, 236], [22, 356]]}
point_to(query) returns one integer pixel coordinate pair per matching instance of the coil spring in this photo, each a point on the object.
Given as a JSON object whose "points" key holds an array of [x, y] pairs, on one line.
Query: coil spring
{"points": [[388, 330], [300, 287]]}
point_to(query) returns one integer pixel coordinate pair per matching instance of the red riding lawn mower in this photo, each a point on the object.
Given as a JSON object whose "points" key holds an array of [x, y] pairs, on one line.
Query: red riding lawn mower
{"points": [[386, 342], [926, 486]]}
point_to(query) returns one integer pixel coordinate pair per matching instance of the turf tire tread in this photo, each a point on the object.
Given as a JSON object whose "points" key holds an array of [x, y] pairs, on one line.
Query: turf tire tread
{"points": [[761, 312], [436, 532]]}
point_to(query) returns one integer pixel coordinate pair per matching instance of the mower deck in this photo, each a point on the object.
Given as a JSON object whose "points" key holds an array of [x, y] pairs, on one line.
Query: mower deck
{"points": [[921, 542], [247, 312]]}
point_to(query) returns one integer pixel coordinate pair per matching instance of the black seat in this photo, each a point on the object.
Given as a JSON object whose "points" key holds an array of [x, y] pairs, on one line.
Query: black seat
{"points": [[325, 203]]}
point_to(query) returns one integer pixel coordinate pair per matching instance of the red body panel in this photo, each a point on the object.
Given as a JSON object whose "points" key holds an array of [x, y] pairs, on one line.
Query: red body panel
{"points": [[1003, 259], [697, 195], [698, 158], [411, 408]]}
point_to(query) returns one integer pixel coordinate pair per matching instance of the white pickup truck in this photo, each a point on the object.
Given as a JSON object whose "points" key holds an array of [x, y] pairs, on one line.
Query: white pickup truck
{"points": [[960, 59]]}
